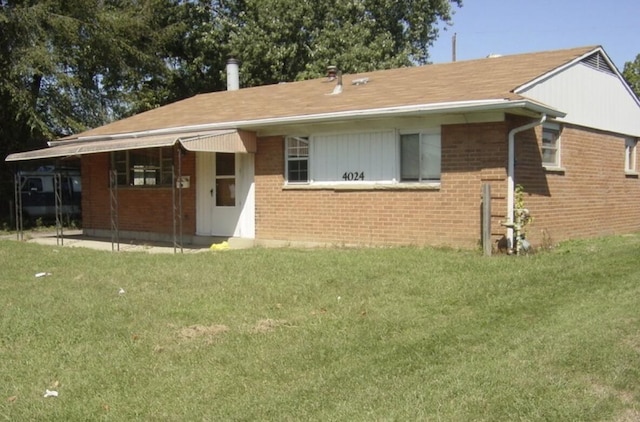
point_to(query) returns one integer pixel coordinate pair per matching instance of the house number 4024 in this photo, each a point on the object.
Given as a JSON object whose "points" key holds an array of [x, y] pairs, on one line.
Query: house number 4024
{"points": [[353, 175]]}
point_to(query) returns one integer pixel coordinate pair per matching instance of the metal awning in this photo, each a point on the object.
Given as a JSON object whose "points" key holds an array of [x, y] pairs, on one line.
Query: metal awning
{"points": [[209, 141], [221, 141]]}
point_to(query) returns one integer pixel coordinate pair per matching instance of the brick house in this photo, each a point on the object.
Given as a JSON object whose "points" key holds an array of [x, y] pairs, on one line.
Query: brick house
{"points": [[391, 157]]}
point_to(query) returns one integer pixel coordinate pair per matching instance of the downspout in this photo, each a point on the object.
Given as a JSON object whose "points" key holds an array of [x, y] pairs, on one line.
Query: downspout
{"points": [[511, 174]]}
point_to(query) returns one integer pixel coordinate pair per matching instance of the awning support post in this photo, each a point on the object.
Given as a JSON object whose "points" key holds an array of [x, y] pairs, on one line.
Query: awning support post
{"points": [[18, 202], [57, 193], [177, 205], [113, 194]]}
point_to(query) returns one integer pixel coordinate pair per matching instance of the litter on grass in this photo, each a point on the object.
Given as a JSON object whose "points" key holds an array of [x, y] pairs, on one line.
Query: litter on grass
{"points": [[38, 275], [50, 393], [222, 246], [121, 291]]}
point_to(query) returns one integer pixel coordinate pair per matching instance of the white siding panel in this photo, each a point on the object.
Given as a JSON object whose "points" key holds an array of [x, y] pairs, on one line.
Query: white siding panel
{"points": [[590, 98], [372, 154]]}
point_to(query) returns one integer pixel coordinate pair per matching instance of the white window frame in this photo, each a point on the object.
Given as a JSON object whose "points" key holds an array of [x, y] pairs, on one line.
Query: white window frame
{"points": [[552, 128], [420, 134], [630, 156], [385, 166], [225, 177], [298, 157]]}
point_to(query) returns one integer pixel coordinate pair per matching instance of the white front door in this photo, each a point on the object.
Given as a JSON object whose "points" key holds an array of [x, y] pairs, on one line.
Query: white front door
{"points": [[225, 195]]}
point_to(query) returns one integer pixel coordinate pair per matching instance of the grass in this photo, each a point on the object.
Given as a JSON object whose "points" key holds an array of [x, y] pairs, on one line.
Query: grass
{"points": [[344, 334]]}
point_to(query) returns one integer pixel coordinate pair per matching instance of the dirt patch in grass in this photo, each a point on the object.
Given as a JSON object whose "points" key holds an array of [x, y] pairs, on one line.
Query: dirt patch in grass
{"points": [[633, 342], [197, 331], [629, 415], [267, 325], [192, 335], [603, 391]]}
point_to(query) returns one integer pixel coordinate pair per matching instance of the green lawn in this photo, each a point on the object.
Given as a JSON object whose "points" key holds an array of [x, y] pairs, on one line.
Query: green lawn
{"points": [[327, 335]]}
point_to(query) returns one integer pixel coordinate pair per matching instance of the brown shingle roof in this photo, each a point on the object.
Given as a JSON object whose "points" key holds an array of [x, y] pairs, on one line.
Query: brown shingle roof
{"points": [[482, 79]]}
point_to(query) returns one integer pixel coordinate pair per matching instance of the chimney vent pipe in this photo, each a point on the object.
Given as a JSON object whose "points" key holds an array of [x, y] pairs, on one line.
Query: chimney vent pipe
{"points": [[233, 75]]}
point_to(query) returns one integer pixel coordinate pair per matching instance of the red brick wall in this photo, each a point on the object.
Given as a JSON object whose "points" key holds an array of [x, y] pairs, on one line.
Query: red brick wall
{"points": [[591, 197], [471, 154], [139, 209]]}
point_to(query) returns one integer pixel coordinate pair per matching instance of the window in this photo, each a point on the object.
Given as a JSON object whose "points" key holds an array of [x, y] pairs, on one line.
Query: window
{"points": [[32, 184], [297, 160], [144, 167], [225, 179], [630, 155], [405, 159], [551, 145], [420, 157]]}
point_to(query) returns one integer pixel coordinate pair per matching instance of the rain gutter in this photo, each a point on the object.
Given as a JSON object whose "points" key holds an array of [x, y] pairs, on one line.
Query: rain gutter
{"points": [[419, 109]]}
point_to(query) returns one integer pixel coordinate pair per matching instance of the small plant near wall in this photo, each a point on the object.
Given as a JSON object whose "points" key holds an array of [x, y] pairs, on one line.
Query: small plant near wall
{"points": [[521, 219]]}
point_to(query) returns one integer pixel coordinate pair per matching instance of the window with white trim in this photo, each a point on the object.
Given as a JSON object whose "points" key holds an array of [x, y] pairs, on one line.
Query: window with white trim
{"points": [[630, 165], [420, 157], [225, 179], [551, 145], [297, 159], [364, 159]]}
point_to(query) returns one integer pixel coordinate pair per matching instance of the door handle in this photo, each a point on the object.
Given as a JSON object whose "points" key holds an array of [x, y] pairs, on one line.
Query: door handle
{"points": [[211, 192]]}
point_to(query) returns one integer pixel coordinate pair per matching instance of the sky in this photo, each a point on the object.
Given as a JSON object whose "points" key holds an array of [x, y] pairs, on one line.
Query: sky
{"points": [[505, 27]]}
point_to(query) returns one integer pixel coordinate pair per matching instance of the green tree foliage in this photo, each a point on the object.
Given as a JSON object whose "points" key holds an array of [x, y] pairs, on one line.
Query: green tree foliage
{"points": [[66, 65], [287, 40], [631, 73], [69, 65], [284, 40]]}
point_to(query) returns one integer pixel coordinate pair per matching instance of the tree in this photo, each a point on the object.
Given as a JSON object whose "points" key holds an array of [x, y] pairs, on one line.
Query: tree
{"points": [[285, 40], [192, 48], [631, 73], [69, 65], [66, 65]]}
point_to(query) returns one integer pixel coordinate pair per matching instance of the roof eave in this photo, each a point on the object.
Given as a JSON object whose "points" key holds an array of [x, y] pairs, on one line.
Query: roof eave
{"points": [[457, 107], [562, 67]]}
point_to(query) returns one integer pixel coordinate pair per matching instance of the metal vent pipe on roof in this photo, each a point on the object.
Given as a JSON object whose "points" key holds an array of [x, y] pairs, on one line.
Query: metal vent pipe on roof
{"points": [[338, 88], [233, 75], [332, 72]]}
